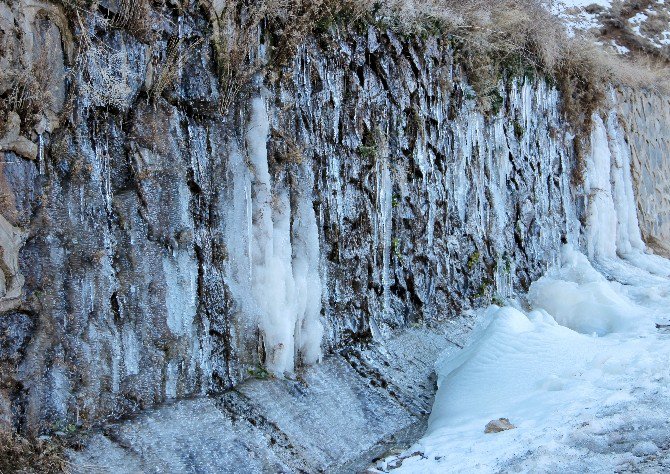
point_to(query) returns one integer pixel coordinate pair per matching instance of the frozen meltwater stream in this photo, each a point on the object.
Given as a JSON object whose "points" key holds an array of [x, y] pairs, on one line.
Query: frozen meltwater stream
{"points": [[581, 367]]}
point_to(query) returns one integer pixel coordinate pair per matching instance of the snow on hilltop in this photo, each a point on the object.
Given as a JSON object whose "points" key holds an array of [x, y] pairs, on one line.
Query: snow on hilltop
{"points": [[628, 26]]}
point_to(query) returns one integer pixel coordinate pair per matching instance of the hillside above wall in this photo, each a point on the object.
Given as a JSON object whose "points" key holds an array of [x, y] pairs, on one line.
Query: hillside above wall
{"points": [[629, 27]]}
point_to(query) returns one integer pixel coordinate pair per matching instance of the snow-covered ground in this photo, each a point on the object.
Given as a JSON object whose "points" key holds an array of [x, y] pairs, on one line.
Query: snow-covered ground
{"points": [[584, 376], [613, 22], [575, 15]]}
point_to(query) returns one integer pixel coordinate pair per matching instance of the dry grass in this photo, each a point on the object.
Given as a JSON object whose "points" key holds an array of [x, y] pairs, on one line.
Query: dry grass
{"points": [[492, 40], [22, 455], [135, 17], [104, 75], [287, 149], [31, 93], [177, 55], [515, 37], [238, 25]]}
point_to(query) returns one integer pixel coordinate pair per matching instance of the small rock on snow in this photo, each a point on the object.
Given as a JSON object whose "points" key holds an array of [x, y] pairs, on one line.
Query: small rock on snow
{"points": [[496, 426]]}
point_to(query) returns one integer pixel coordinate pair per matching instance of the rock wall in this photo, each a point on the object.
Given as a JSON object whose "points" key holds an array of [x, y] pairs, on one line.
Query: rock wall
{"points": [[646, 117], [158, 246]]}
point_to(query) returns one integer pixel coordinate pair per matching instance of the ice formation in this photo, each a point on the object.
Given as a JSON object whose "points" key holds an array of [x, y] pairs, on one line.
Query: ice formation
{"points": [[306, 256], [612, 233], [275, 251]]}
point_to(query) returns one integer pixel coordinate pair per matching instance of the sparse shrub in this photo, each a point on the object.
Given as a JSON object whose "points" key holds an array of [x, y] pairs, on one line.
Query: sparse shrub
{"points": [[498, 300], [396, 249], [31, 93], [483, 289], [259, 372], [473, 260], [24, 455], [177, 54], [368, 151]]}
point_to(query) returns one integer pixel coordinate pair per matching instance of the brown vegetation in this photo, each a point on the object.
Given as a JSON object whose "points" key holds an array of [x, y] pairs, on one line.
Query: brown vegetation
{"points": [[168, 73], [492, 41], [22, 455], [30, 94], [135, 17]]}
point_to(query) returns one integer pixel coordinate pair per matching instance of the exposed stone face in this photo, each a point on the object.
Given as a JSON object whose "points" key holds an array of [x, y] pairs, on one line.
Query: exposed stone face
{"points": [[13, 140], [423, 207], [647, 120], [11, 280], [133, 226]]}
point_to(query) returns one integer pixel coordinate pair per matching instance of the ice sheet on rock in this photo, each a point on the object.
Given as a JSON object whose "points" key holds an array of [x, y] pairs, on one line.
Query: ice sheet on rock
{"points": [[274, 251], [187, 436]]}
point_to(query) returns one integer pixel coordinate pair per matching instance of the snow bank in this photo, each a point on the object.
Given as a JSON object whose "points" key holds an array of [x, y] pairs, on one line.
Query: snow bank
{"points": [[583, 375], [556, 384]]}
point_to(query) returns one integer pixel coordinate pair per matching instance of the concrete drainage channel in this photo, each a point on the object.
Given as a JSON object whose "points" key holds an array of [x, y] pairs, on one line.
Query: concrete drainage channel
{"points": [[337, 417]]}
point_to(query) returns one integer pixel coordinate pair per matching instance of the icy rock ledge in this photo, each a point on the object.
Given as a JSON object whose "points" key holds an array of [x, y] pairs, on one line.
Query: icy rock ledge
{"points": [[337, 416]]}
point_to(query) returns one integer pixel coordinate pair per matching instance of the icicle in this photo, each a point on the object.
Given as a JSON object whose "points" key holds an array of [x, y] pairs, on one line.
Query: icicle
{"points": [[239, 228], [306, 262], [629, 237], [249, 226], [283, 248], [107, 182], [40, 154], [385, 208], [601, 219]]}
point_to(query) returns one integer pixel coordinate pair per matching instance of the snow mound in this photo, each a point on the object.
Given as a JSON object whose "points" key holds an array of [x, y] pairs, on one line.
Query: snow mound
{"points": [[583, 377], [580, 298]]}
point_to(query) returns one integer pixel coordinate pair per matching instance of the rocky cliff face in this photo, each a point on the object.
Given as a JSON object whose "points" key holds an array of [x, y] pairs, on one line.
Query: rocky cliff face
{"points": [[158, 245], [647, 117]]}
